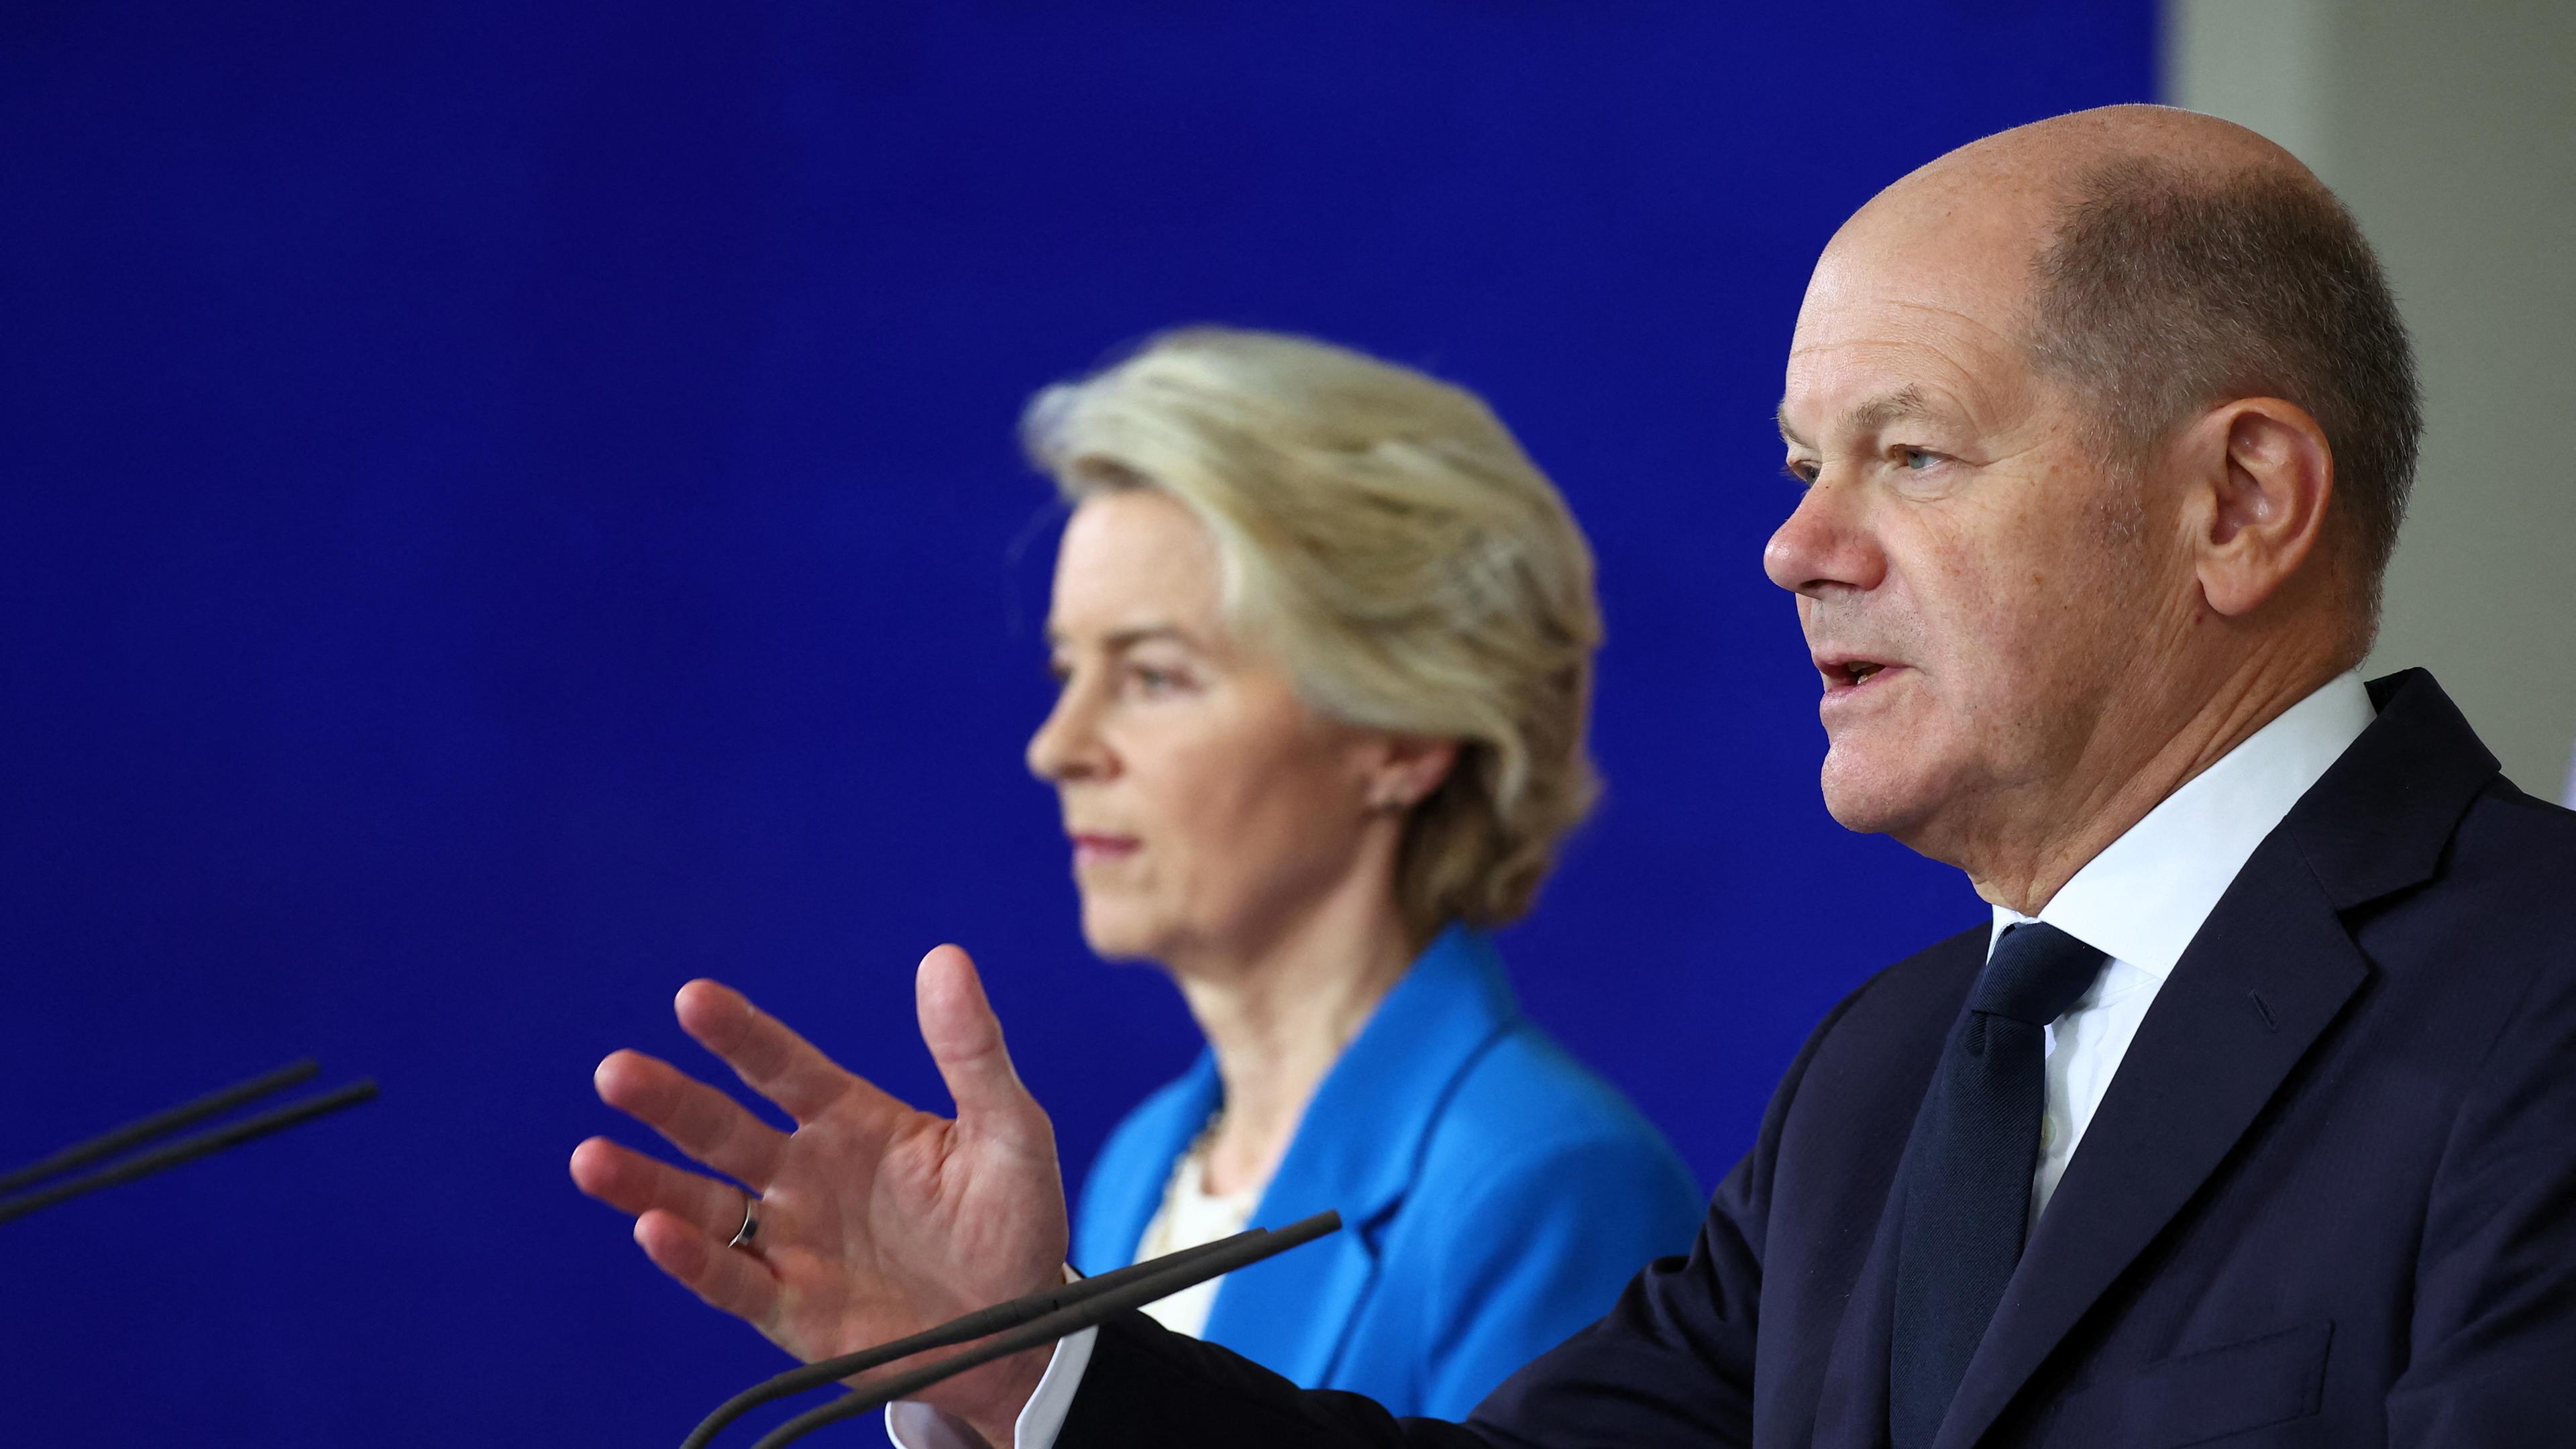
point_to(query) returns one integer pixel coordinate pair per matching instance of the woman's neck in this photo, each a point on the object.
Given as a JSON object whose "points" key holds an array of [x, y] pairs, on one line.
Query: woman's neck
{"points": [[1279, 1017]]}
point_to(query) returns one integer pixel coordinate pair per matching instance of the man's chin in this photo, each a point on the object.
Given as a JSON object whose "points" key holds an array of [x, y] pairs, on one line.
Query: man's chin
{"points": [[1869, 798]]}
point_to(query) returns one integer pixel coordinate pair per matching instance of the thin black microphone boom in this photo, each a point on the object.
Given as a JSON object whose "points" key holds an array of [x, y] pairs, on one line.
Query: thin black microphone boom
{"points": [[957, 1330], [109, 1143], [1097, 1307], [186, 1149]]}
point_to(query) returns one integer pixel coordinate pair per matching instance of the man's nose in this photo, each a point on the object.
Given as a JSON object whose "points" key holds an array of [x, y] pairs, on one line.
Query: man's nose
{"points": [[1826, 542]]}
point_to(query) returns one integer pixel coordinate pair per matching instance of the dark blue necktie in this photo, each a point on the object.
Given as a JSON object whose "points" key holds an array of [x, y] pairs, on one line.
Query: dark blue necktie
{"points": [[1968, 1170]]}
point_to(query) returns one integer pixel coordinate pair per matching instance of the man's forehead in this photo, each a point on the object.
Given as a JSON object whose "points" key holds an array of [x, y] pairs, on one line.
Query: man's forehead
{"points": [[1940, 241], [1917, 365], [1933, 285], [1900, 338]]}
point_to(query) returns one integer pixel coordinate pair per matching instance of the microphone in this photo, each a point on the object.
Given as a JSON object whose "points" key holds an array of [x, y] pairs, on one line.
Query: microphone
{"points": [[958, 1330], [186, 1149], [1037, 1319]]}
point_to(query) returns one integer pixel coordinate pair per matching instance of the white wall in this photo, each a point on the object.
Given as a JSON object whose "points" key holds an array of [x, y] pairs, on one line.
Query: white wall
{"points": [[2450, 129]]}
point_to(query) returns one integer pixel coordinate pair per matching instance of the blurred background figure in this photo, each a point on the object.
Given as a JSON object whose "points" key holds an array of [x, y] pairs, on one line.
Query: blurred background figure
{"points": [[1324, 638]]}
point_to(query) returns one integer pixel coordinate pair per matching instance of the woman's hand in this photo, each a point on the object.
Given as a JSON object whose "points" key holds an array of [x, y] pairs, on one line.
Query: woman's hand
{"points": [[876, 1220]]}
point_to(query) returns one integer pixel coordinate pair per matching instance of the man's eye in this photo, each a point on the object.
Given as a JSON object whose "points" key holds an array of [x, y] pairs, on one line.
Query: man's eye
{"points": [[1156, 681], [1800, 471], [1918, 459]]}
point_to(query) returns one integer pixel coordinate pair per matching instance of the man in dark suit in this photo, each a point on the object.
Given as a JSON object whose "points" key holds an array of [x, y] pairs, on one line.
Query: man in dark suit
{"points": [[2252, 1118]]}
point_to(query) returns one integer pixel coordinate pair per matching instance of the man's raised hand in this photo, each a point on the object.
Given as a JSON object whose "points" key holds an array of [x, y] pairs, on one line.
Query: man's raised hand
{"points": [[876, 1220]]}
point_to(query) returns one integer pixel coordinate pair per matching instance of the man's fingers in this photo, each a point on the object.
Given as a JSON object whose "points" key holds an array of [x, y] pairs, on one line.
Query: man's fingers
{"points": [[965, 1039], [773, 1061], [696, 1118], [726, 1278], [683, 1222], [639, 1186]]}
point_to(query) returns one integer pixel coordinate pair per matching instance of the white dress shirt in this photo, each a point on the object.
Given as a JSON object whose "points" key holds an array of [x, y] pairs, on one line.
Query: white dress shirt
{"points": [[2145, 896], [919, 1426], [2139, 902]]}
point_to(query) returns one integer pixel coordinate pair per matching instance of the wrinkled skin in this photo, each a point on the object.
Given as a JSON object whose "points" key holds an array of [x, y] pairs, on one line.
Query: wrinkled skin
{"points": [[877, 1220]]}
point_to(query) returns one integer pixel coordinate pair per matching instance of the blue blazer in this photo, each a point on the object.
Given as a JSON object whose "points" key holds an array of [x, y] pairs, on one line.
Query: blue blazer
{"points": [[2329, 1202], [1494, 1195]]}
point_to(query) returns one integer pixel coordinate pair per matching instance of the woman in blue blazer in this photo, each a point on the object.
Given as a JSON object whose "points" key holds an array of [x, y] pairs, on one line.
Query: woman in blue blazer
{"points": [[1501, 1195], [1325, 640]]}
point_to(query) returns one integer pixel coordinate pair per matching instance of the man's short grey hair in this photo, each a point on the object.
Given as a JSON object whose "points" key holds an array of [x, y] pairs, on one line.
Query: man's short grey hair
{"points": [[2164, 292]]}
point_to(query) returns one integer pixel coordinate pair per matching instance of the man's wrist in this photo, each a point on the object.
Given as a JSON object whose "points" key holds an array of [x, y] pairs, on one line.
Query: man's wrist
{"points": [[913, 1425], [1023, 1372]]}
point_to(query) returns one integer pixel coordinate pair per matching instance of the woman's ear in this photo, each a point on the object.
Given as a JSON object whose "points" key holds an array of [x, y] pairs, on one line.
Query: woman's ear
{"points": [[1408, 769], [2265, 474]]}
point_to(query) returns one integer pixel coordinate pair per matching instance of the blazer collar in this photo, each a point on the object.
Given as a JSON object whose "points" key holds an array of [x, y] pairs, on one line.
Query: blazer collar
{"points": [[2264, 978], [1357, 1149], [1358, 1144], [1127, 1182], [2380, 819], [2146, 895]]}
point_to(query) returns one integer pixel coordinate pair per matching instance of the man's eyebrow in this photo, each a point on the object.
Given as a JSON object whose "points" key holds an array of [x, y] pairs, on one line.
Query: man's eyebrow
{"points": [[1906, 402]]}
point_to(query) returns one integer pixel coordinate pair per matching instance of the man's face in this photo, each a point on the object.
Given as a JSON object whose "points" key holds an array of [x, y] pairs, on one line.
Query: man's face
{"points": [[1973, 582]]}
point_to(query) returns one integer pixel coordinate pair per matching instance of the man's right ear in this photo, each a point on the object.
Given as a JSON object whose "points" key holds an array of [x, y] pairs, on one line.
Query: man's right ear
{"points": [[2260, 475]]}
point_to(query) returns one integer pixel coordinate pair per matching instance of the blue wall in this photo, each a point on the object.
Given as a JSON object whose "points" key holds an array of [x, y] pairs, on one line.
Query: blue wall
{"points": [[505, 508]]}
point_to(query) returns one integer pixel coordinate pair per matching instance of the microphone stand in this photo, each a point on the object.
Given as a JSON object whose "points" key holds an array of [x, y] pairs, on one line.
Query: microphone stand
{"points": [[960, 1330], [171, 1154], [1023, 1323]]}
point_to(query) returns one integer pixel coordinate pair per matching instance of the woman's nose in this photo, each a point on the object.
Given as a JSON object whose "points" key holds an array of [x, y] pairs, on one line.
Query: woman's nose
{"points": [[1824, 543], [1066, 745]]}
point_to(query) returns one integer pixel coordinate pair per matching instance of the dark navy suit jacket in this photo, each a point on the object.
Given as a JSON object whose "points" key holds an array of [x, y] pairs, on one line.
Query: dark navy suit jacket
{"points": [[2329, 1200]]}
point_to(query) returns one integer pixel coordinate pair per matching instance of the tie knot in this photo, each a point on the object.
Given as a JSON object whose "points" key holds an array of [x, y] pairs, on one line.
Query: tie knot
{"points": [[2037, 972]]}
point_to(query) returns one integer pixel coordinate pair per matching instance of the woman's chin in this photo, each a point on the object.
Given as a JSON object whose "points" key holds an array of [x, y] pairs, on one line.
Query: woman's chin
{"points": [[1115, 935]]}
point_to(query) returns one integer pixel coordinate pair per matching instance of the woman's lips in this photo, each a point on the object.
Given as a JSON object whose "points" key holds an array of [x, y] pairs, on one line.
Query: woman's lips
{"points": [[1090, 849]]}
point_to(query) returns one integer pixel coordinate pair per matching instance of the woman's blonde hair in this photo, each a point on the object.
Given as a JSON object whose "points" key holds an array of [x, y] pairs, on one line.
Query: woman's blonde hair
{"points": [[1384, 538]]}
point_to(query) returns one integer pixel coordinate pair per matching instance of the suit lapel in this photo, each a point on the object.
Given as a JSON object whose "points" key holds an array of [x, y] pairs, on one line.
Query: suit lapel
{"points": [[1126, 1186], [2266, 975], [1851, 1408], [1851, 1403], [1355, 1152]]}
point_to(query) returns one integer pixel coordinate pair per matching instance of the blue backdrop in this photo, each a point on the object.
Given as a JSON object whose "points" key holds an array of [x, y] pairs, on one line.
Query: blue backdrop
{"points": [[505, 508]]}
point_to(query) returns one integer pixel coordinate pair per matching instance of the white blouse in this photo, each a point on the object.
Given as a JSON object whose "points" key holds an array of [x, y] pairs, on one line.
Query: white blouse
{"points": [[1191, 1215]]}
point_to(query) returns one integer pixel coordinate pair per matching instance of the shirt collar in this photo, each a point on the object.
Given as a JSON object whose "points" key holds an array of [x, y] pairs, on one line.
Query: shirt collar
{"points": [[2144, 897]]}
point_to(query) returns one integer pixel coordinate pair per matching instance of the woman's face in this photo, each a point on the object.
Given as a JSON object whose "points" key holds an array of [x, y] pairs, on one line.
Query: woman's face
{"points": [[1207, 805]]}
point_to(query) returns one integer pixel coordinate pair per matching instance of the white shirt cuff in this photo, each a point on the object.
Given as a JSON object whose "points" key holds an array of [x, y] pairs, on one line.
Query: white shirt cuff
{"points": [[918, 1426]]}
